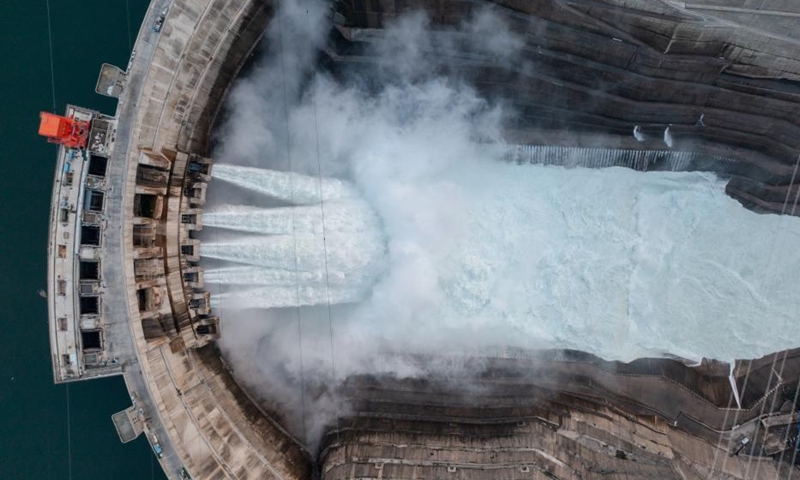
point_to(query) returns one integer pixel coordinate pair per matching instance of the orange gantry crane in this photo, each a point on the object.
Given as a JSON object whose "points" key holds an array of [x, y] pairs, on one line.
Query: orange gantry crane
{"points": [[65, 131]]}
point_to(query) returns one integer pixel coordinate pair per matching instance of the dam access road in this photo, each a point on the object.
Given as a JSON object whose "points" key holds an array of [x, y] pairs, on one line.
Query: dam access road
{"points": [[126, 291]]}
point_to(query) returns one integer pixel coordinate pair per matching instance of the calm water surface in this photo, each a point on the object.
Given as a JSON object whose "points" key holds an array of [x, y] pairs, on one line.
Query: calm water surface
{"points": [[38, 439]]}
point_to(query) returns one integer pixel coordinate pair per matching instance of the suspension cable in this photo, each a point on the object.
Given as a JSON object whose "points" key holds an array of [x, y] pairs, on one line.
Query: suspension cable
{"points": [[325, 251], [294, 225]]}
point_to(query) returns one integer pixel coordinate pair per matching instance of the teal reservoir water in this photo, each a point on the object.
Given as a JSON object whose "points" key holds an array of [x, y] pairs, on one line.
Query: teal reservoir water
{"points": [[46, 431]]}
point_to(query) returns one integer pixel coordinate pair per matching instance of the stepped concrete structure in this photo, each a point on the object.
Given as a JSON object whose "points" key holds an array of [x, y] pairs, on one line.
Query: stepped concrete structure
{"points": [[126, 291]]}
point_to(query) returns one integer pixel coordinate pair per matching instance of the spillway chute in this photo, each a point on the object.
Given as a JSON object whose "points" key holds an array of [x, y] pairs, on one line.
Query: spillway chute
{"points": [[289, 187], [250, 275], [288, 296], [336, 217]]}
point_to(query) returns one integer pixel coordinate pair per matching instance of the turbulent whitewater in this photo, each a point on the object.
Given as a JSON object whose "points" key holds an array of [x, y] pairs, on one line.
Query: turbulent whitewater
{"points": [[610, 261]]}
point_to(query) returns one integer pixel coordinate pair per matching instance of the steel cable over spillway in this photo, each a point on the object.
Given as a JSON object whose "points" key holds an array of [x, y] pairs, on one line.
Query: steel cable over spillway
{"points": [[291, 190], [325, 249], [772, 368]]}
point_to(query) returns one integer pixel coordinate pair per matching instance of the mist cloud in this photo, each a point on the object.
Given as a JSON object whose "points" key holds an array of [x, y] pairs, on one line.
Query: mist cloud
{"points": [[477, 254]]}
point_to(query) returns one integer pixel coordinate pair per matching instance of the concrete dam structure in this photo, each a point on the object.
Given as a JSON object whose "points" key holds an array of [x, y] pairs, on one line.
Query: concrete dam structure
{"points": [[649, 85]]}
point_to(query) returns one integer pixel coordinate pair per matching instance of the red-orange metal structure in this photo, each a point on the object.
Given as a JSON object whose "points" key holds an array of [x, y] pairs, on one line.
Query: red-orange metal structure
{"points": [[66, 131]]}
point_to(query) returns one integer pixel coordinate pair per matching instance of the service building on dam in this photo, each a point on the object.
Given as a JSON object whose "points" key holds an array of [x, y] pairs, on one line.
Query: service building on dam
{"points": [[126, 290]]}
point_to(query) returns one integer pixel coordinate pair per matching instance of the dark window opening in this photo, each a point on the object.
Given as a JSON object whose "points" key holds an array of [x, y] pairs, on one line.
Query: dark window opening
{"points": [[197, 303], [206, 329], [190, 277], [89, 270], [91, 340], [146, 299], [191, 192], [62, 287], [188, 218], [97, 166], [90, 235], [145, 205], [90, 305], [187, 249], [64, 215], [93, 200], [201, 168], [68, 177]]}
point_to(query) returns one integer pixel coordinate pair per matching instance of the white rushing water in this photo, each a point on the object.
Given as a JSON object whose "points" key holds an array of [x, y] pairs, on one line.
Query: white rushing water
{"points": [[609, 261]]}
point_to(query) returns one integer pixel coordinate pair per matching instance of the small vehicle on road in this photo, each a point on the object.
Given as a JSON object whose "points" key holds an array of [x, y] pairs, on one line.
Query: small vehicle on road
{"points": [[160, 20]]}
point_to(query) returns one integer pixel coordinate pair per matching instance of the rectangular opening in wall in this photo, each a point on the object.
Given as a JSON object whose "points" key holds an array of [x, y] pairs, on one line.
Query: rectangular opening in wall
{"points": [[68, 177], [89, 305], [62, 324], [197, 303], [145, 205], [206, 329], [201, 168], [61, 287], [91, 340], [146, 299], [189, 218], [190, 277], [89, 270], [191, 192], [62, 251], [187, 249], [97, 166], [90, 235], [93, 200], [63, 215]]}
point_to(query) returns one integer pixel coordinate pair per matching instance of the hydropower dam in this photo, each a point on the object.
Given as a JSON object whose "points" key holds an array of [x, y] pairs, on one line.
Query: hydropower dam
{"points": [[544, 240]]}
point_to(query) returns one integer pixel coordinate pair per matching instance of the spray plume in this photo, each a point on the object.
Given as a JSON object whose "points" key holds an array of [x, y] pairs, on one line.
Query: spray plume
{"points": [[433, 244]]}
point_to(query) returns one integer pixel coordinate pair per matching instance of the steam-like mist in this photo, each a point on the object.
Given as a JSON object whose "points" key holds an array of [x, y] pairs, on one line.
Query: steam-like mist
{"points": [[401, 215]]}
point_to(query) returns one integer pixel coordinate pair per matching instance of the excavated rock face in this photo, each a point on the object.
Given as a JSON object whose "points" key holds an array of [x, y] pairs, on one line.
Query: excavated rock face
{"points": [[568, 416], [723, 81]]}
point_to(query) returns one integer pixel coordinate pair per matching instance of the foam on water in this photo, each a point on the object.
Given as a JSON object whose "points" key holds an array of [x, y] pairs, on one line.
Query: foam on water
{"points": [[624, 265], [613, 262]]}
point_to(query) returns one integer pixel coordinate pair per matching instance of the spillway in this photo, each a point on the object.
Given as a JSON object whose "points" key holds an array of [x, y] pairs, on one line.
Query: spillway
{"points": [[326, 247], [249, 275], [305, 252], [610, 261], [344, 216], [288, 296], [642, 160], [289, 187]]}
